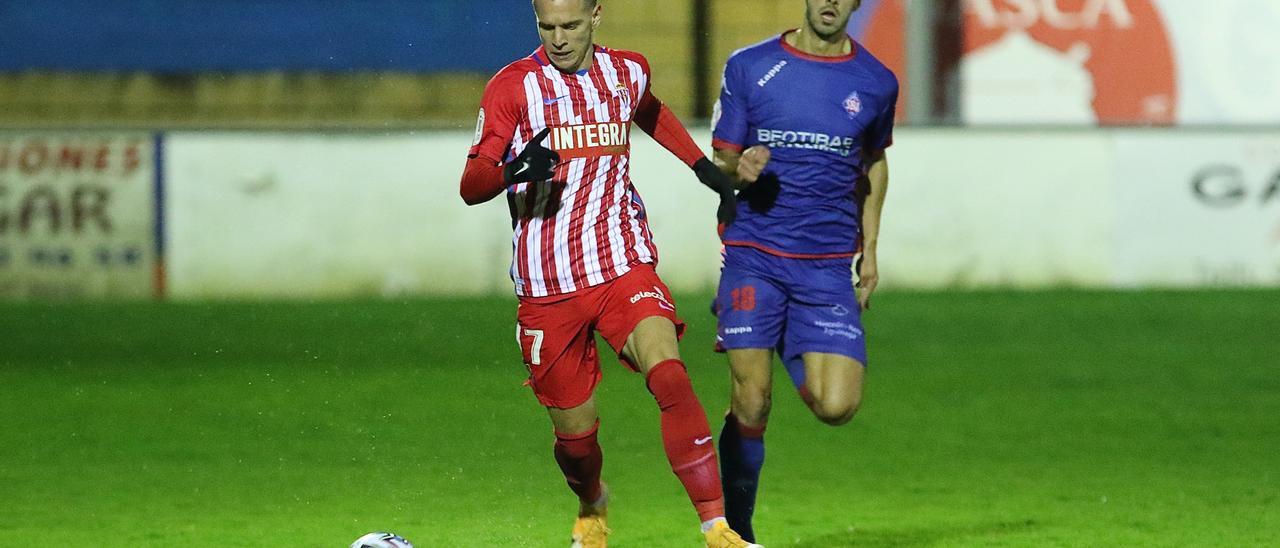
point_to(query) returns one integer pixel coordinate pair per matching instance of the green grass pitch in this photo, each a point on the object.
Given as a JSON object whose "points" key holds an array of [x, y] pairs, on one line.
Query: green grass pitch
{"points": [[990, 419]]}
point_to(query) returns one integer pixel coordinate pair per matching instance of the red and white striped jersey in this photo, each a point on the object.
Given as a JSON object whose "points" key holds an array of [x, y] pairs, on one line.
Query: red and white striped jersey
{"points": [[586, 225]]}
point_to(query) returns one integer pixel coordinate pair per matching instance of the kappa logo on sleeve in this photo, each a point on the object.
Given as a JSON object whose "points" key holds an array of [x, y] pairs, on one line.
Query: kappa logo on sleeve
{"points": [[772, 72]]}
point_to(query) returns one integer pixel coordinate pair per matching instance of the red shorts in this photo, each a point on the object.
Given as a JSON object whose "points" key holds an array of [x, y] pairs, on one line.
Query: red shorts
{"points": [[557, 333]]}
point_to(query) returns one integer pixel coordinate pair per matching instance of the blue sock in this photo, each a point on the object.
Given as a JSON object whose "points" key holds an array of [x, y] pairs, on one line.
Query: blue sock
{"points": [[741, 457]]}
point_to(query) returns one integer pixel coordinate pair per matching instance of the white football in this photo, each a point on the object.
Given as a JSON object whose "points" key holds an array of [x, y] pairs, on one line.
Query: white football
{"points": [[381, 540]]}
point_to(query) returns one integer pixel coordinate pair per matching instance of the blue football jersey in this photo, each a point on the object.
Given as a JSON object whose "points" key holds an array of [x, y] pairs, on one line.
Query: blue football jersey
{"points": [[817, 115]]}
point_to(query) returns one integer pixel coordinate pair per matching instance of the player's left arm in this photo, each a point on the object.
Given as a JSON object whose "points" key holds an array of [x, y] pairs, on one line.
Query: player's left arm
{"points": [[878, 186], [878, 138], [656, 118]]}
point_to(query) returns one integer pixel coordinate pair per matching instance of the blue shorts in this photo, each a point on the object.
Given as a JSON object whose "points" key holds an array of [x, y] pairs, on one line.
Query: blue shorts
{"points": [[791, 305]]}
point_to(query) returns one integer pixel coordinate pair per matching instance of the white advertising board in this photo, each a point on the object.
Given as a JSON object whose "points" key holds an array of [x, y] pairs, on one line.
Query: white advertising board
{"points": [[1198, 209], [77, 216], [300, 216], [289, 215], [307, 216], [981, 209]]}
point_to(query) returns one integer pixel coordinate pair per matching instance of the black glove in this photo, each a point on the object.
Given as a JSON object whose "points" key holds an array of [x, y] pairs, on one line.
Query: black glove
{"points": [[722, 184], [534, 163]]}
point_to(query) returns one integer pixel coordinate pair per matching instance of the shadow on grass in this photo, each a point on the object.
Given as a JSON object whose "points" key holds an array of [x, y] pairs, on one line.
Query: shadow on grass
{"points": [[919, 536]]}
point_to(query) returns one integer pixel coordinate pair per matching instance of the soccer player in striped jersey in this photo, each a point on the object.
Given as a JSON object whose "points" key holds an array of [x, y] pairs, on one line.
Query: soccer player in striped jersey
{"points": [[554, 136], [802, 123]]}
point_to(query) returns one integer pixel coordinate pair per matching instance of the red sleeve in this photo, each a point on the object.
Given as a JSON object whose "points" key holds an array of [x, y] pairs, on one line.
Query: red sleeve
{"points": [[481, 181], [653, 116], [501, 114], [502, 109]]}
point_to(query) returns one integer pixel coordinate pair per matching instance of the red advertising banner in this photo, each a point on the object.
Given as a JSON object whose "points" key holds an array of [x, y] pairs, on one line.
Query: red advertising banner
{"points": [[1103, 62]]}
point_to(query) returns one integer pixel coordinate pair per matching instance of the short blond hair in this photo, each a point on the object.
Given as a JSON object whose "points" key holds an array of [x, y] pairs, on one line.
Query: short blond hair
{"points": [[590, 4]]}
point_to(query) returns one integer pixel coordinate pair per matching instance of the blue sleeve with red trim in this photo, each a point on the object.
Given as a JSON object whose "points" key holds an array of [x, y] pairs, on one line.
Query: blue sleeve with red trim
{"points": [[880, 134], [729, 120]]}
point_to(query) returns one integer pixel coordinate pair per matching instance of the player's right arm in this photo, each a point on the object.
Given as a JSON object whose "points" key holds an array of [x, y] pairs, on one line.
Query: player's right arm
{"points": [[502, 112], [745, 166], [730, 129]]}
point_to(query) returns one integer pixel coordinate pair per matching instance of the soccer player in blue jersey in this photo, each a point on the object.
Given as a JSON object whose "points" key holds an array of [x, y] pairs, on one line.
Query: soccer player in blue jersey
{"points": [[802, 123]]}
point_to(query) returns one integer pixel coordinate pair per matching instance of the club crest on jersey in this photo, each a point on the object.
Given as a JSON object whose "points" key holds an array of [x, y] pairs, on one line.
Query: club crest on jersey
{"points": [[620, 90], [852, 105]]}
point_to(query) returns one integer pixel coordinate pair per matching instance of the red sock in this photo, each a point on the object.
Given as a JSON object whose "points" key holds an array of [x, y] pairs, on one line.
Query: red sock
{"points": [[751, 432], [580, 459], [806, 396], [687, 438]]}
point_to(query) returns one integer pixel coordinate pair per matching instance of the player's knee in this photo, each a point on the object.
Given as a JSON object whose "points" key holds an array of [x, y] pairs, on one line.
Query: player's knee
{"points": [[835, 413], [835, 416], [652, 342], [752, 405]]}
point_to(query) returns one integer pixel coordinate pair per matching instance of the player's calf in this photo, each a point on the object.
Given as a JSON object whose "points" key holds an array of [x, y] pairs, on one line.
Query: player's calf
{"points": [[580, 460], [686, 437], [741, 458]]}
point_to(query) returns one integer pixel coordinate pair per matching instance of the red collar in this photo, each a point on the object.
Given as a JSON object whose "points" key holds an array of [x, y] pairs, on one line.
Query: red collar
{"points": [[853, 50]]}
